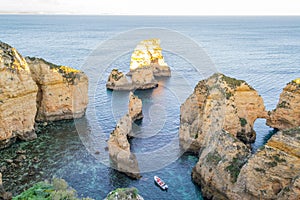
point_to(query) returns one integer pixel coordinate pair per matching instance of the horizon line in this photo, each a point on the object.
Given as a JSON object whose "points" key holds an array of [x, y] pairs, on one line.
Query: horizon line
{"points": [[158, 15]]}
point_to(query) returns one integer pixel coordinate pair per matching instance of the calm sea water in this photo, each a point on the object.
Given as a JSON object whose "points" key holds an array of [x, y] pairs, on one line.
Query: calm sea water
{"points": [[264, 51]]}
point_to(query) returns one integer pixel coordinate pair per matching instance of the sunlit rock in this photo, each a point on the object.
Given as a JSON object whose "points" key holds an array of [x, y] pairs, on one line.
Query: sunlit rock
{"points": [[63, 91], [148, 53]]}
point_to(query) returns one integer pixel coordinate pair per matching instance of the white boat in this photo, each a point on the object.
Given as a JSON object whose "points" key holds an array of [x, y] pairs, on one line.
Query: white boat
{"points": [[160, 183]]}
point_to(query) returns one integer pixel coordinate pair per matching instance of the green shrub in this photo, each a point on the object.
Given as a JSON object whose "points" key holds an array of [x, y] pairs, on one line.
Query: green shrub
{"points": [[243, 122]]}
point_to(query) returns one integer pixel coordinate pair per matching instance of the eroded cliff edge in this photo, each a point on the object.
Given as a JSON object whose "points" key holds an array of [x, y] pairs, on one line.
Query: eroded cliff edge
{"points": [[35, 90], [226, 168], [287, 112]]}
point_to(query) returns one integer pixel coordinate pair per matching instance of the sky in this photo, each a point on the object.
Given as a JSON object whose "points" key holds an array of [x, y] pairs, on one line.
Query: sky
{"points": [[153, 7]]}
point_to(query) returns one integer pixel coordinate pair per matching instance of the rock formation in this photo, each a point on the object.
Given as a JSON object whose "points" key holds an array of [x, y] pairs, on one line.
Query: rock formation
{"points": [[142, 78], [118, 81], [225, 169], [277, 164], [124, 194], [17, 97], [63, 91], [148, 53], [119, 149], [287, 113], [36, 90], [135, 107], [233, 102]]}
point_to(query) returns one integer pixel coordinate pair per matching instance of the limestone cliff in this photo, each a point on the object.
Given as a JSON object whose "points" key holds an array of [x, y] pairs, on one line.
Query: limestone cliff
{"points": [[17, 97], [277, 164], [119, 149], [63, 91], [238, 106], [287, 113], [135, 107], [148, 53]]}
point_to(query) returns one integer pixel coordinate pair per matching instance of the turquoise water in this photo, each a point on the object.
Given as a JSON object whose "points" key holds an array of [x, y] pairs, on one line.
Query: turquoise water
{"points": [[264, 51]]}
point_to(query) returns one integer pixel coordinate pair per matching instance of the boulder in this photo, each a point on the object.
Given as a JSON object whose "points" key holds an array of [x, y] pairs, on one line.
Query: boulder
{"points": [[63, 91], [18, 93], [287, 112], [232, 102]]}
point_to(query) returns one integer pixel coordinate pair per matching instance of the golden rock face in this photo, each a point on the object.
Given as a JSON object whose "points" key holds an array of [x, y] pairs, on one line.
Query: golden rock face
{"points": [[297, 80], [147, 52]]}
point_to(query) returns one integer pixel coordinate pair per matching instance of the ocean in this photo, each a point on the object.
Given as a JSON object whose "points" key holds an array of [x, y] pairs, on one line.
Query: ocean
{"points": [[264, 51]]}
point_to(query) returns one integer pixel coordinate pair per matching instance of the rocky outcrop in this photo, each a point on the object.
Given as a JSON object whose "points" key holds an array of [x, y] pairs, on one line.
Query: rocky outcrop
{"points": [[63, 91], [142, 79], [118, 81], [124, 194], [135, 107], [148, 53], [226, 169], [287, 113], [119, 149], [277, 164], [232, 102], [17, 97]]}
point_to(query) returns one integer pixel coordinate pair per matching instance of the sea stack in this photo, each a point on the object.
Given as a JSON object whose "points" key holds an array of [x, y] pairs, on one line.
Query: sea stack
{"points": [[287, 112], [148, 53], [119, 148]]}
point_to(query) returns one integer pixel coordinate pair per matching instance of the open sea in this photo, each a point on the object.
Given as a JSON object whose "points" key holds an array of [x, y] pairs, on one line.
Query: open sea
{"points": [[264, 51]]}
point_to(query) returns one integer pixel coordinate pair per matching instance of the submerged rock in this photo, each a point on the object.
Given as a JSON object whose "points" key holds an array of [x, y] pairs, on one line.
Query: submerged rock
{"points": [[17, 97], [63, 91], [148, 53], [135, 107], [287, 113], [124, 194], [232, 103], [3, 194]]}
